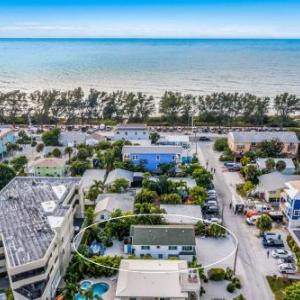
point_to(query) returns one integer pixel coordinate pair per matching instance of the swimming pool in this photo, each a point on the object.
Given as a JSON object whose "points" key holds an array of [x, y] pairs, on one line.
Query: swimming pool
{"points": [[99, 289]]}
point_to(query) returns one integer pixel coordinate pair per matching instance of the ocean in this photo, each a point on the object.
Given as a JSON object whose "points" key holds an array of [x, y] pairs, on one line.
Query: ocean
{"points": [[197, 66]]}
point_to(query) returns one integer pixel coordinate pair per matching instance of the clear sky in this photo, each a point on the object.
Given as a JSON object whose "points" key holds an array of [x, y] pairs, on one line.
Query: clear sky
{"points": [[150, 18]]}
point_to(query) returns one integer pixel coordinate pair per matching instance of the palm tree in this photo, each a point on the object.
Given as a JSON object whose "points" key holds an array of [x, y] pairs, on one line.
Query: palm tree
{"points": [[89, 294], [69, 151], [95, 189], [70, 290]]}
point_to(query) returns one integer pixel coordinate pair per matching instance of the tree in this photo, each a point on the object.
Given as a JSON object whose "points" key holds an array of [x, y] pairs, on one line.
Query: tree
{"points": [[78, 167], [280, 165], [167, 168], [19, 162], [250, 172], [83, 153], [198, 195], [292, 292], [6, 175], [221, 144], [70, 290], [40, 147], [170, 105], [95, 189], [50, 138], [285, 105], [202, 176], [271, 148], [119, 185], [264, 223], [69, 151], [154, 137], [11, 147], [245, 160], [270, 164], [171, 198], [146, 196], [56, 152]]}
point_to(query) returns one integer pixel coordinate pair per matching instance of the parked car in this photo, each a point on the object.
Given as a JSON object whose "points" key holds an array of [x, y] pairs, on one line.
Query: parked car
{"points": [[204, 139], [272, 235], [274, 243], [211, 192], [229, 163], [252, 220], [287, 268], [281, 253], [211, 197], [262, 208], [288, 259], [212, 203], [276, 216], [234, 168]]}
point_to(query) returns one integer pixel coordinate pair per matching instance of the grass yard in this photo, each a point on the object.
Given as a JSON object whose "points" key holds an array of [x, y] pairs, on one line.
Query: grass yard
{"points": [[278, 284]]}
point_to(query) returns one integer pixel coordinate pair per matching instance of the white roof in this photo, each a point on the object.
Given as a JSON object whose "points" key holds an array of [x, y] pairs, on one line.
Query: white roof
{"points": [[55, 221], [111, 202], [261, 162], [177, 138], [152, 150], [118, 173], [154, 279], [182, 214], [293, 189], [68, 138]]}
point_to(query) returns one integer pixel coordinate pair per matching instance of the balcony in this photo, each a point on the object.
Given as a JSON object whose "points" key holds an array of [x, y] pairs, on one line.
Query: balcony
{"points": [[190, 281]]}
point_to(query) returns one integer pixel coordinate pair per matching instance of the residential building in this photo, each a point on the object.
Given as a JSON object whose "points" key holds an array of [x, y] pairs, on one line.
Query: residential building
{"points": [[289, 165], [175, 140], [182, 214], [90, 176], [37, 224], [117, 174], [131, 132], [241, 142], [152, 156], [157, 279], [51, 166], [270, 186], [292, 204], [108, 203], [72, 138], [7, 135], [163, 241]]}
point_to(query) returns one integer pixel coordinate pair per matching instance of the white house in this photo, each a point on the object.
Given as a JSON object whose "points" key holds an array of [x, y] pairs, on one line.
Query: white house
{"points": [[117, 174], [163, 241], [131, 132], [156, 279], [107, 203]]}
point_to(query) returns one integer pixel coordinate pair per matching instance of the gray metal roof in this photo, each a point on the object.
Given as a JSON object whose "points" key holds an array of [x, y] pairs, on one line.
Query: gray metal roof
{"points": [[24, 223], [118, 173], [257, 137], [152, 150], [261, 162], [162, 235], [112, 201], [90, 175], [131, 127], [274, 181]]}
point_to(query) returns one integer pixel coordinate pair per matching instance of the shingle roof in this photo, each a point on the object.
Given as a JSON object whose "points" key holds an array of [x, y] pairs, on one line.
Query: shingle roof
{"points": [[152, 150], [163, 235], [257, 137]]}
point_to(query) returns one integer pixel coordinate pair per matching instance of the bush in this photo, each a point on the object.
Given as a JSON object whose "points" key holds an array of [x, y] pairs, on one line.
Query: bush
{"points": [[216, 274], [171, 198], [236, 282], [239, 297], [56, 152], [228, 274], [221, 144], [230, 287]]}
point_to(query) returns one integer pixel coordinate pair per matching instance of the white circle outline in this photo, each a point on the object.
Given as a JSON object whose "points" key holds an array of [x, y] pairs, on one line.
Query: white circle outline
{"points": [[156, 272]]}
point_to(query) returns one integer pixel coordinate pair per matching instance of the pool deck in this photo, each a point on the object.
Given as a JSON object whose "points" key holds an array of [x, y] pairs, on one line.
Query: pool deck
{"points": [[112, 282]]}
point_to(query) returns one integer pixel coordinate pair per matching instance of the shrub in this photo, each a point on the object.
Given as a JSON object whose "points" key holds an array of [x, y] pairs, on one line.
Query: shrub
{"points": [[216, 274], [56, 152], [239, 297], [236, 282], [230, 287], [171, 198], [228, 274]]}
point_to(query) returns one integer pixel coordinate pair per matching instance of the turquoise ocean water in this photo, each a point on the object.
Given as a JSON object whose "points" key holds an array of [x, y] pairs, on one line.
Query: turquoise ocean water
{"points": [[263, 67]]}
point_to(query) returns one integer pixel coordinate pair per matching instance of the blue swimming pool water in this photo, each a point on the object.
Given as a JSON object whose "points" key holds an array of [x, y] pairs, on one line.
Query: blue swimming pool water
{"points": [[98, 289], [85, 284]]}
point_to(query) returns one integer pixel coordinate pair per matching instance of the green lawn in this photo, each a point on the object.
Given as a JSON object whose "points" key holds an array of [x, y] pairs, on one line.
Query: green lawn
{"points": [[278, 284]]}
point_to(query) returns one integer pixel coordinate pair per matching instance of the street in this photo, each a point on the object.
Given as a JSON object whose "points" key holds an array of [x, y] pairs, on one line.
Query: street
{"points": [[251, 266]]}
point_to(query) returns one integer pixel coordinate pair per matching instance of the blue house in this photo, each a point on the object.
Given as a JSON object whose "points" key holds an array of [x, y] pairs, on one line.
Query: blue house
{"points": [[292, 205], [131, 132], [152, 156], [7, 135]]}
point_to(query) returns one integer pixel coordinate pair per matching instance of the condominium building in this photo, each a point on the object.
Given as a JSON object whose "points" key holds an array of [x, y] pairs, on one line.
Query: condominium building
{"points": [[37, 224]]}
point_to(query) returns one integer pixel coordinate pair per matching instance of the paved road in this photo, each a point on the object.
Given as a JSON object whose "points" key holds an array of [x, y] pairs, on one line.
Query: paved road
{"points": [[250, 265]]}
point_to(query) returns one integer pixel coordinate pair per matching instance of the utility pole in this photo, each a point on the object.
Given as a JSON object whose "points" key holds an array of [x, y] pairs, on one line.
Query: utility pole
{"points": [[235, 258], [194, 135]]}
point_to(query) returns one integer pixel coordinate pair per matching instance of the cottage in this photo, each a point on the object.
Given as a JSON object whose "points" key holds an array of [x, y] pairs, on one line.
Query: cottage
{"points": [[52, 166], [163, 241], [7, 135], [289, 165], [90, 176], [152, 156], [156, 279], [241, 142], [108, 203], [131, 132]]}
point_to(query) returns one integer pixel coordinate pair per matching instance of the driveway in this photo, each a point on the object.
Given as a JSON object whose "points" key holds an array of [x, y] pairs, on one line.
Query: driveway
{"points": [[252, 262]]}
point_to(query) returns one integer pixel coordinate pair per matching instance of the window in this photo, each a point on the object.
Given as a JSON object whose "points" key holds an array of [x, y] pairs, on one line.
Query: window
{"points": [[126, 133], [158, 247], [135, 133], [187, 248], [172, 247], [102, 217], [134, 157], [297, 212], [157, 157], [174, 157], [145, 247]]}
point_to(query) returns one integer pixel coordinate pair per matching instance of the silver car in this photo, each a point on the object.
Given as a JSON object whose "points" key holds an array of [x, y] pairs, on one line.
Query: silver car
{"points": [[281, 253], [287, 268]]}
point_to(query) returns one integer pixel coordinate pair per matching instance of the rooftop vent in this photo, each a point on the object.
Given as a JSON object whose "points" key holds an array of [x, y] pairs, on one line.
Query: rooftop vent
{"points": [[49, 206]]}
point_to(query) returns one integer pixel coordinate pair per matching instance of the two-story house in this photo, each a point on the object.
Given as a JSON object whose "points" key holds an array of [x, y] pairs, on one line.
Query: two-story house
{"points": [[163, 241], [152, 156], [131, 132], [7, 135], [242, 142]]}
